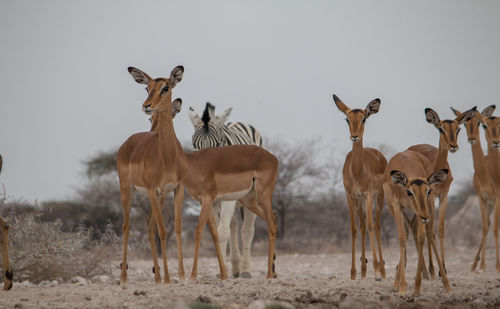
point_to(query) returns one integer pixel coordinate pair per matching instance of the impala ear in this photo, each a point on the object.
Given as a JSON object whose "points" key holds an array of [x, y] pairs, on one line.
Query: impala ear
{"points": [[438, 176], [139, 76], [456, 112], [372, 107], [432, 117], [488, 111], [176, 75], [222, 118], [193, 115], [176, 107], [399, 178], [340, 105], [466, 116]]}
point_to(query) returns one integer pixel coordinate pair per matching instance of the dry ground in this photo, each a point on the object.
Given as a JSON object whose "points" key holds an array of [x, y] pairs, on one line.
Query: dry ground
{"points": [[312, 281]]}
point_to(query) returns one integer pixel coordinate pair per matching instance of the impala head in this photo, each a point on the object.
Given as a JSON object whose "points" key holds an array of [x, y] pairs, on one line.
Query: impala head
{"points": [[448, 129], [472, 125], [159, 89], [419, 189], [176, 108], [208, 130], [356, 117], [491, 127]]}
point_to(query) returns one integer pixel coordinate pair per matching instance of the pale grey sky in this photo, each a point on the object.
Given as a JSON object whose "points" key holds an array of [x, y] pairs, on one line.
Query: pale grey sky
{"points": [[66, 94]]}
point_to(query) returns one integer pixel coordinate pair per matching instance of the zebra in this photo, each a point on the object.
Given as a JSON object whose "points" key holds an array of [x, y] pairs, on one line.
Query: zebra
{"points": [[212, 131]]}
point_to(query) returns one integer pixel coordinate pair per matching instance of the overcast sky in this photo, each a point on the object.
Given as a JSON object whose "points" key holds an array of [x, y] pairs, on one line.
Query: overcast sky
{"points": [[66, 94]]}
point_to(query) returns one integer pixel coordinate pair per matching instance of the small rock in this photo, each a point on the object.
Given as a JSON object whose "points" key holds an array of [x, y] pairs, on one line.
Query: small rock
{"points": [[44, 283], [79, 280], [139, 293], [101, 279], [26, 283], [261, 304], [204, 299], [478, 303]]}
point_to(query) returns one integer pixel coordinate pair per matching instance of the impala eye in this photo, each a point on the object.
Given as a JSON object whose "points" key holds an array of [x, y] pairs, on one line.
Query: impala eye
{"points": [[363, 121], [347, 119], [164, 89], [147, 90], [465, 125], [484, 127], [441, 130], [408, 192], [429, 192], [458, 130]]}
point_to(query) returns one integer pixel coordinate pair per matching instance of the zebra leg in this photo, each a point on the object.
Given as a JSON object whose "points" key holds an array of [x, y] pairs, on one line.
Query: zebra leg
{"points": [[247, 233], [223, 230]]}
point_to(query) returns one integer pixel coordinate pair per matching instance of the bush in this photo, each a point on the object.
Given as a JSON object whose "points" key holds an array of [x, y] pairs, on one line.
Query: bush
{"points": [[42, 251]]}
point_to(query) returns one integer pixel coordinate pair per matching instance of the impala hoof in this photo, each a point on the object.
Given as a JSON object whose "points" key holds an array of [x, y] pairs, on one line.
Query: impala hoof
{"points": [[236, 275], [247, 275]]}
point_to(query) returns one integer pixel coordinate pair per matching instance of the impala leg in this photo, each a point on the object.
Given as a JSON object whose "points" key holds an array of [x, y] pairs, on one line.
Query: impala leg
{"points": [[247, 233], [4, 242], [413, 226], [400, 281], [362, 226], [202, 220], [369, 224], [444, 275], [432, 215], [496, 223], [420, 248], [212, 226], [443, 201], [125, 193], [485, 224], [378, 213], [354, 231], [151, 233], [225, 232], [272, 227], [162, 231], [178, 198]]}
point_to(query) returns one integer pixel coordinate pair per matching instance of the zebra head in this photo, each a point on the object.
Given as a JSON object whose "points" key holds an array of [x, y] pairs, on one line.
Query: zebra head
{"points": [[208, 130]]}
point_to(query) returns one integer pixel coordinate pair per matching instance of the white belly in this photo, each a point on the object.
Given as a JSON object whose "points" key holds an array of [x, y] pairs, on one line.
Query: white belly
{"points": [[169, 187], [233, 196]]}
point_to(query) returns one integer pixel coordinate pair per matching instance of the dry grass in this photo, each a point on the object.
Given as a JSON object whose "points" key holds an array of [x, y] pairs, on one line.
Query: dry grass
{"points": [[42, 251]]}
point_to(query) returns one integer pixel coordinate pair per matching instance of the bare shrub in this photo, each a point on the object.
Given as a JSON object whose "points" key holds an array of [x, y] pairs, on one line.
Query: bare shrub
{"points": [[100, 164], [42, 251], [299, 177]]}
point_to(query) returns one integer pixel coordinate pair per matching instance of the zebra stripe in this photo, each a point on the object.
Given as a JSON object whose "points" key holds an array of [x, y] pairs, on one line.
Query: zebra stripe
{"points": [[232, 133]]}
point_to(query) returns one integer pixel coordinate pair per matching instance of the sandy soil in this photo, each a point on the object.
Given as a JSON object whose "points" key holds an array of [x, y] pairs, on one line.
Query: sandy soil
{"points": [[312, 281]]}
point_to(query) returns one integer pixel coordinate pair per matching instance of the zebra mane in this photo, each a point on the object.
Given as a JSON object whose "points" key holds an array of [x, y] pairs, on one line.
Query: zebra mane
{"points": [[209, 110]]}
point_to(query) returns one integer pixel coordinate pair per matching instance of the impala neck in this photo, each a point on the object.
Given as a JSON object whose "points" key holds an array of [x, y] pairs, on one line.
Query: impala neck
{"points": [[358, 158], [442, 157], [493, 159], [478, 160], [167, 139]]}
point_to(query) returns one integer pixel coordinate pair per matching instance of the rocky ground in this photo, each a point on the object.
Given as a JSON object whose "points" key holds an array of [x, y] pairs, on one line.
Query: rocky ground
{"points": [[304, 281]]}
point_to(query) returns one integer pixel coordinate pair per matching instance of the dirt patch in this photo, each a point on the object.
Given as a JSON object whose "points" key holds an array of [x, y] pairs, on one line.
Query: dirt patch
{"points": [[304, 281]]}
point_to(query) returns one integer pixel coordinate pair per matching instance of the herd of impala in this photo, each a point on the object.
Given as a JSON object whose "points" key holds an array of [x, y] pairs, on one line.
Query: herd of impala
{"points": [[155, 163]]}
